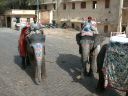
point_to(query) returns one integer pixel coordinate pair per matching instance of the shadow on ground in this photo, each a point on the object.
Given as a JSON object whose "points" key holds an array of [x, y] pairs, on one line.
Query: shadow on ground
{"points": [[28, 70], [71, 64]]}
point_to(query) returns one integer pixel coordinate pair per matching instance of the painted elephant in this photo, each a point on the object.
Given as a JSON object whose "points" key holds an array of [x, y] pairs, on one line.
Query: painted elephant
{"points": [[100, 61], [90, 48], [36, 55]]}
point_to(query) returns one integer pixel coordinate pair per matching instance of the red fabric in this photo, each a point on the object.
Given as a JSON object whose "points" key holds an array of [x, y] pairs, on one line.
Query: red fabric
{"points": [[22, 42]]}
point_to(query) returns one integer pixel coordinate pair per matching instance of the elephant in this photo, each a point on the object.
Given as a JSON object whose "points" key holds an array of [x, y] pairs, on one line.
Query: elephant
{"points": [[89, 47], [36, 55], [100, 61]]}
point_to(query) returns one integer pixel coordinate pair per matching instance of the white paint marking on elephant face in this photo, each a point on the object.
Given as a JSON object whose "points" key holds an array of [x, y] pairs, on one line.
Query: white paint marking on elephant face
{"points": [[38, 48]]}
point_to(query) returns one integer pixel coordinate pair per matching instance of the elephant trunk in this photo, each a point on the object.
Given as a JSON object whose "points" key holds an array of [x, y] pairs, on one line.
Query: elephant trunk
{"points": [[38, 51], [39, 56]]}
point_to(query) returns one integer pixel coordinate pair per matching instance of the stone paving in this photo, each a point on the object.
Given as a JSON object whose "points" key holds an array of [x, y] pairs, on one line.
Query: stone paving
{"points": [[62, 65], [65, 65]]}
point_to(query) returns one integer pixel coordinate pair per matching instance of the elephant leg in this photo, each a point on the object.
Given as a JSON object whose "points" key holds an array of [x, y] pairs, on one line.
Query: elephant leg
{"points": [[93, 59], [100, 60], [85, 55], [43, 69], [126, 93], [38, 74], [101, 81], [91, 65], [80, 49]]}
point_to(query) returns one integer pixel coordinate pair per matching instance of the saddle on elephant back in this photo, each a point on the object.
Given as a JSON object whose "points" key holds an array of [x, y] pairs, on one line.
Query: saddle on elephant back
{"points": [[115, 66]]}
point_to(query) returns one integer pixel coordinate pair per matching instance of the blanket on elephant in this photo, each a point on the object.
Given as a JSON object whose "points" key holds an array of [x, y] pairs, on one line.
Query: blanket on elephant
{"points": [[95, 40], [115, 67]]}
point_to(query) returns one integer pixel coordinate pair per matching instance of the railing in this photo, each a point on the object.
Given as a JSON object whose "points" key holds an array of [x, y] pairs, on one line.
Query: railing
{"points": [[116, 33], [74, 0], [47, 1]]}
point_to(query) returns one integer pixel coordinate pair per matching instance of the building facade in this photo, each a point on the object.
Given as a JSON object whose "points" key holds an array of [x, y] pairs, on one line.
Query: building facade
{"points": [[125, 16], [47, 11], [111, 15], [13, 17]]}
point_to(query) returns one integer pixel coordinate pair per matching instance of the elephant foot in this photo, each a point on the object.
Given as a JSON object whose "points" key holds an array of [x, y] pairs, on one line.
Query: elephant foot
{"points": [[43, 76], [37, 81], [83, 74]]}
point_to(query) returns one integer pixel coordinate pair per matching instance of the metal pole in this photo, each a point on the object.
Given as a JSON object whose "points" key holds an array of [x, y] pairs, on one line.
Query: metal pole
{"points": [[57, 11], [37, 10], [119, 28]]}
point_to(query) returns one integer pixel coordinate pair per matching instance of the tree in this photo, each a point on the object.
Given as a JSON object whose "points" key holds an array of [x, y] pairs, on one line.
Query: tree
{"points": [[3, 6], [17, 4]]}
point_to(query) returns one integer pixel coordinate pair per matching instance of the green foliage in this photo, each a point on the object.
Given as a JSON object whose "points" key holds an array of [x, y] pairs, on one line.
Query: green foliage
{"points": [[16, 4], [3, 6]]}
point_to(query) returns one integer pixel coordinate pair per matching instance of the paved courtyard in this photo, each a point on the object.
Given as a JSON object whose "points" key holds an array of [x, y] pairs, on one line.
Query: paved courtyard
{"points": [[62, 65]]}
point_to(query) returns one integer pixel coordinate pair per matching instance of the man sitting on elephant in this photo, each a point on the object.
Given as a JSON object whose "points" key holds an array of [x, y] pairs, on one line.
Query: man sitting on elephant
{"points": [[89, 46], [35, 25]]}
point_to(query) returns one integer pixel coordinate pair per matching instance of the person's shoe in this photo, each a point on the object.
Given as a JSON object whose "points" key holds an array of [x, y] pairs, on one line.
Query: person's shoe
{"points": [[23, 65]]}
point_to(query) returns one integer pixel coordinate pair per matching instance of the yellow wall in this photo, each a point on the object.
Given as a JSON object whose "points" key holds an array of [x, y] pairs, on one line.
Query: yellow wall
{"points": [[100, 13]]}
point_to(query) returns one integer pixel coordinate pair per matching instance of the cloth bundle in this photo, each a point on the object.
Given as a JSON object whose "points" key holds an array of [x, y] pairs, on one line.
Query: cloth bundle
{"points": [[115, 65]]}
